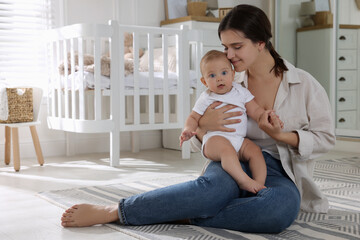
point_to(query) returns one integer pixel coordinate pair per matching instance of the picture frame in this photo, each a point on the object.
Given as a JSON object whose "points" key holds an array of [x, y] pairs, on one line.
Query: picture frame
{"points": [[322, 5], [175, 8], [211, 4]]}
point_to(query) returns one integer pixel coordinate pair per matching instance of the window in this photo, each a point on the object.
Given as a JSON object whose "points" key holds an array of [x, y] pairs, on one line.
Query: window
{"points": [[22, 50]]}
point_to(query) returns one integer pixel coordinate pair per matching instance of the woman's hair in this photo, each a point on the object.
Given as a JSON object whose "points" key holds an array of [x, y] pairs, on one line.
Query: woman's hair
{"points": [[255, 25]]}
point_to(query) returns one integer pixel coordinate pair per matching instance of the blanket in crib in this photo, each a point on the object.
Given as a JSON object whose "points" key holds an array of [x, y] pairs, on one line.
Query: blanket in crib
{"points": [[89, 66]]}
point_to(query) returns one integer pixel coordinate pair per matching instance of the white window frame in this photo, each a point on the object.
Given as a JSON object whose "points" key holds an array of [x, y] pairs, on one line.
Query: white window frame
{"points": [[23, 54]]}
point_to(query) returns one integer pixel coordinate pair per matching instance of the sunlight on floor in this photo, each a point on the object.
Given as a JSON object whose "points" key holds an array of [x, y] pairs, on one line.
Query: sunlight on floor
{"points": [[58, 173]]}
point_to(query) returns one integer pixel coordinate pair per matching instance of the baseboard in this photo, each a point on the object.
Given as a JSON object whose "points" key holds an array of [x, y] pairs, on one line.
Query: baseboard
{"points": [[170, 139], [50, 148], [96, 143], [345, 144], [86, 143]]}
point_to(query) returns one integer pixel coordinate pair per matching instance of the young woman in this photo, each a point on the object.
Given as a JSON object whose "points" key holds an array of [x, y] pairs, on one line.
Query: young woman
{"points": [[214, 199]]}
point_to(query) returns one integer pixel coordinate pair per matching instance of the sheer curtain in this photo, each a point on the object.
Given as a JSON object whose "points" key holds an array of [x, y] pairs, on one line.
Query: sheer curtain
{"points": [[22, 50]]}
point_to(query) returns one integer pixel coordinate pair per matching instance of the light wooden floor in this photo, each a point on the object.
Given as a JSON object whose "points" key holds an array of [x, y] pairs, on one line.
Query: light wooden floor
{"points": [[23, 215]]}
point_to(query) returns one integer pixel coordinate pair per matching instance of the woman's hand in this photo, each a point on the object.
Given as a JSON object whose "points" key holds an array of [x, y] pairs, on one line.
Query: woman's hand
{"points": [[271, 124], [215, 119]]}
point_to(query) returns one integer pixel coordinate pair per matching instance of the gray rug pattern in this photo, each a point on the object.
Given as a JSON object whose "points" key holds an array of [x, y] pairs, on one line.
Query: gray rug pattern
{"points": [[339, 179]]}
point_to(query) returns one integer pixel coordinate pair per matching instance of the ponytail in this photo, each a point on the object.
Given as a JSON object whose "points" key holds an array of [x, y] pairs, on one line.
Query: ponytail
{"points": [[279, 67]]}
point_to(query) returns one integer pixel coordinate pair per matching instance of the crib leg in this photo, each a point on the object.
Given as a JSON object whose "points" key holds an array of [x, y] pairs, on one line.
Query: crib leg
{"points": [[16, 149], [70, 144], [114, 148], [7, 145], [135, 141], [185, 150]]}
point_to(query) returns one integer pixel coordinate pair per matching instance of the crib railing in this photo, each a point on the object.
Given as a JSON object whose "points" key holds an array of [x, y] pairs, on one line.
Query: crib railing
{"points": [[68, 108], [67, 105]]}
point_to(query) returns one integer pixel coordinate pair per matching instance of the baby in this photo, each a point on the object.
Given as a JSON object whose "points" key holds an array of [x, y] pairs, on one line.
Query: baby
{"points": [[228, 147]]}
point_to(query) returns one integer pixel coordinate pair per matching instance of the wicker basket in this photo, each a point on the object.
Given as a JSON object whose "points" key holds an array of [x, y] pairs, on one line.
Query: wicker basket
{"points": [[196, 8], [223, 12], [20, 106], [323, 18]]}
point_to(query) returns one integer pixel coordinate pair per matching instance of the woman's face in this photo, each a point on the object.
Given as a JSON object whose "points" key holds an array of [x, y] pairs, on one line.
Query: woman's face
{"points": [[241, 51]]}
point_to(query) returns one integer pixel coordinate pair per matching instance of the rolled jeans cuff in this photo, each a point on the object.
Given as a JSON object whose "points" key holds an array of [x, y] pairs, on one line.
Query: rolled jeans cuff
{"points": [[121, 213]]}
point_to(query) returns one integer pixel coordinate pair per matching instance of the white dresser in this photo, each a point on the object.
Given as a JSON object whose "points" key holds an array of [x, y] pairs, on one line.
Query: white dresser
{"points": [[347, 80], [314, 54]]}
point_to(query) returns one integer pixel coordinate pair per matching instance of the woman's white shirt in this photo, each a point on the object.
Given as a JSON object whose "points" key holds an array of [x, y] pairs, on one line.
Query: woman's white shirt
{"points": [[260, 138], [303, 105]]}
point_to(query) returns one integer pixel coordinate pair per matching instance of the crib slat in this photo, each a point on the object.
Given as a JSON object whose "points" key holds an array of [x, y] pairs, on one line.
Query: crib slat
{"points": [[151, 79], [49, 49], [97, 75], [183, 78], [121, 90], [59, 103], [180, 81], [166, 78], [66, 76], [115, 98], [198, 53], [136, 79], [81, 76], [73, 100], [183, 102], [51, 100]]}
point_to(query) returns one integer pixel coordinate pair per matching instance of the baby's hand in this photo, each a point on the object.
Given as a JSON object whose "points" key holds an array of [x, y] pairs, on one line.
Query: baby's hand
{"points": [[271, 124], [186, 135], [277, 116]]}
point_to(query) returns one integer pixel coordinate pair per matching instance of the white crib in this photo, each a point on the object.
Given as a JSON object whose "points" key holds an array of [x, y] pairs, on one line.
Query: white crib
{"points": [[121, 102]]}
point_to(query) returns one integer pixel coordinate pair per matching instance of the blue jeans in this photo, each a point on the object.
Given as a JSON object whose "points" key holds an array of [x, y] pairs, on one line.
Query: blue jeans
{"points": [[215, 200]]}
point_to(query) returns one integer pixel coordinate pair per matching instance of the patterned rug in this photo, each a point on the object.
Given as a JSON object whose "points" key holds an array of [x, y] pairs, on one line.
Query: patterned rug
{"points": [[339, 179]]}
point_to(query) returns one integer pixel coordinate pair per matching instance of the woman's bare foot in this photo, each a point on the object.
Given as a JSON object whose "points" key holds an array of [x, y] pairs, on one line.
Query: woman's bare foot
{"points": [[84, 215]]}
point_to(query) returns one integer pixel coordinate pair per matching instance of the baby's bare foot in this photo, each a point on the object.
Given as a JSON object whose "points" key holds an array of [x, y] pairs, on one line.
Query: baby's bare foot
{"points": [[83, 215], [251, 186]]}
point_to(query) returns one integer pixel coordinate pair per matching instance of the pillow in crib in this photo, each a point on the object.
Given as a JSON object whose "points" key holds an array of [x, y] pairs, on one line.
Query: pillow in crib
{"points": [[158, 60]]}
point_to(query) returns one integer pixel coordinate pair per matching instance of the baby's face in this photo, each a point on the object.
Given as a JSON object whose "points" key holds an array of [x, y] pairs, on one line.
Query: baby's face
{"points": [[218, 75]]}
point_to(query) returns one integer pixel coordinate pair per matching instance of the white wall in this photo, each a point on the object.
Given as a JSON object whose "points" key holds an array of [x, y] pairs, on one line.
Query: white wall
{"points": [[288, 22], [134, 12], [349, 13], [88, 11]]}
